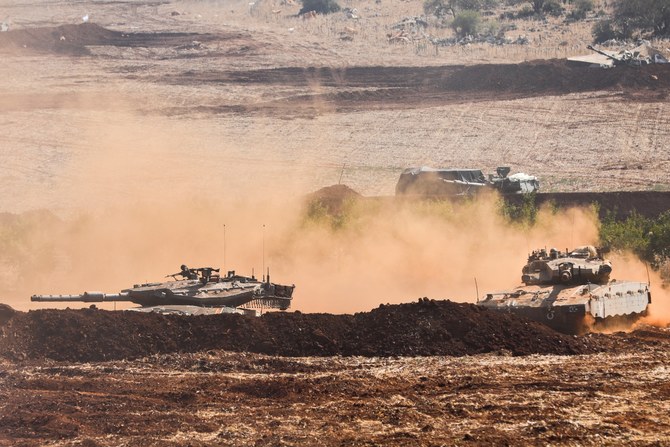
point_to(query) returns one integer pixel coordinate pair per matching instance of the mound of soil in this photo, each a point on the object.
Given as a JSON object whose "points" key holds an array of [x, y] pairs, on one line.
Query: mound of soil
{"points": [[424, 328], [362, 88], [333, 198], [555, 76], [75, 39]]}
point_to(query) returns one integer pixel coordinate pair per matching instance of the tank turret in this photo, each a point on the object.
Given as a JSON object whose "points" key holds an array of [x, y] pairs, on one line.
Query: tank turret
{"points": [[580, 266]]}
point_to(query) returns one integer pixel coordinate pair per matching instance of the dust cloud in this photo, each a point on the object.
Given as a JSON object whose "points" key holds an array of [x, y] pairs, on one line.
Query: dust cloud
{"points": [[397, 251], [133, 196], [627, 266], [380, 252]]}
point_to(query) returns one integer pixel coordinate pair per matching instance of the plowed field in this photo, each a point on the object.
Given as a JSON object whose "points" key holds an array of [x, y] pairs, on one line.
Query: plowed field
{"points": [[203, 380]]}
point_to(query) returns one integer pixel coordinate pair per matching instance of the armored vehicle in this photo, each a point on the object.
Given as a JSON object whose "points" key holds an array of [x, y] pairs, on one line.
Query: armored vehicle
{"points": [[425, 181], [195, 291], [569, 291]]}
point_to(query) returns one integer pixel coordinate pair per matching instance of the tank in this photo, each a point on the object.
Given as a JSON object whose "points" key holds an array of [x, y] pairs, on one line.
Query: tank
{"points": [[449, 182], [634, 59], [572, 291], [194, 292]]}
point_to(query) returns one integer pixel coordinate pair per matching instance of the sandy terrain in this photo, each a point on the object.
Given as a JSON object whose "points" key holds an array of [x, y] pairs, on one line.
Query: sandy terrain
{"points": [[178, 95], [132, 142]]}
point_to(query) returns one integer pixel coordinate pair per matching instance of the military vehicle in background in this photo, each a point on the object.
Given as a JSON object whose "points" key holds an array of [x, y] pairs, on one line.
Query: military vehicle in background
{"points": [[626, 57], [570, 291], [425, 181], [194, 292], [643, 54]]}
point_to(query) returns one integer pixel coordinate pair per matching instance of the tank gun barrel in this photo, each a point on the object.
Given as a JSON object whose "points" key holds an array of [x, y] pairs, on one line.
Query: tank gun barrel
{"points": [[609, 56], [86, 297]]}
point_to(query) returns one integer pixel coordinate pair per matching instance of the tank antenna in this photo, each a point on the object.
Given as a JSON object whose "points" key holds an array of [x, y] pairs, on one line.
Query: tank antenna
{"points": [[224, 247], [572, 228], [263, 253], [339, 182], [646, 266], [477, 289]]}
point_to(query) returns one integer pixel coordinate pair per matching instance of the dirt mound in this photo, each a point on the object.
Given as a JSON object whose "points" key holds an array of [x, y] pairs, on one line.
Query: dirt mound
{"points": [[6, 313], [333, 198], [64, 39], [419, 87], [555, 76], [424, 328], [75, 39]]}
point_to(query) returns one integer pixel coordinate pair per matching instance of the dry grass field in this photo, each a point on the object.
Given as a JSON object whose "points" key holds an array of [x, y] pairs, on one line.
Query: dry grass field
{"points": [[120, 109]]}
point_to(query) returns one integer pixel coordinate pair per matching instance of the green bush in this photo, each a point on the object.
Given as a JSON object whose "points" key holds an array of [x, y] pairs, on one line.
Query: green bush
{"points": [[552, 7], [492, 28], [647, 238], [320, 6], [525, 12], [642, 16], [524, 213], [442, 8], [584, 5], [581, 8], [438, 8], [466, 23], [603, 31]]}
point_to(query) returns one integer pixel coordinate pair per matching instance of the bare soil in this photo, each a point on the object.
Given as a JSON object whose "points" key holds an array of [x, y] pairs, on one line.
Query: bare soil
{"points": [[427, 373], [216, 397], [267, 92], [425, 328]]}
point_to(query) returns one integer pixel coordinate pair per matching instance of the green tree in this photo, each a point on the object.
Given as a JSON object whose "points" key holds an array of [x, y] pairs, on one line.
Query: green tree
{"points": [[643, 16], [649, 238]]}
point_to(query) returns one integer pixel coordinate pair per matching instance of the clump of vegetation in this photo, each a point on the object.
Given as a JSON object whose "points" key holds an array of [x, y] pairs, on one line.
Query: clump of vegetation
{"points": [[443, 8], [524, 213], [551, 7], [580, 9], [466, 23], [335, 213], [603, 31], [541, 8], [646, 237], [644, 18], [319, 6]]}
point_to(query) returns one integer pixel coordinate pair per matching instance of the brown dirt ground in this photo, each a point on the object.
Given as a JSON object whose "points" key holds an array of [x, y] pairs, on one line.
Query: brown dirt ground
{"points": [[220, 397], [100, 378], [425, 328]]}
